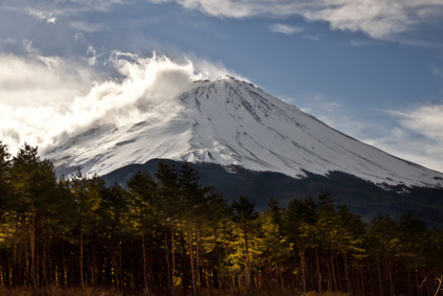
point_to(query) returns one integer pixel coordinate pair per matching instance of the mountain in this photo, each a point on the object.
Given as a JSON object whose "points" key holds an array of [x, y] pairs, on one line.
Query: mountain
{"points": [[231, 122], [235, 126]]}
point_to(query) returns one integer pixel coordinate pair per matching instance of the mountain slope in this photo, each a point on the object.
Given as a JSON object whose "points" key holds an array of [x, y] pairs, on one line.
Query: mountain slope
{"points": [[230, 122]]}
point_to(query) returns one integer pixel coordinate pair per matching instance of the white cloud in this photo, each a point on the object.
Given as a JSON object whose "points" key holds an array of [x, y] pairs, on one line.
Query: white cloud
{"points": [[38, 80], [418, 136], [380, 19], [331, 112], [425, 120], [42, 16], [45, 100], [285, 29], [415, 135], [10, 41], [34, 91], [87, 27]]}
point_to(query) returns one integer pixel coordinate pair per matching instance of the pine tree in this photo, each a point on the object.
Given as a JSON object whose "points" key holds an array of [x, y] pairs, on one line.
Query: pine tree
{"points": [[116, 205], [168, 194], [245, 216], [141, 198], [88, 195], [33, 183]]}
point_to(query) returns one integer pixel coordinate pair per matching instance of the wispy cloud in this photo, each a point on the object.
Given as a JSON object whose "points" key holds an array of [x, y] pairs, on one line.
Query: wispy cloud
{"points": [[42, 16], [380, 19], [413, 134], [331, 112], [285, 29], [437, 72], [426, 120], [360, 42], [87, 27]]}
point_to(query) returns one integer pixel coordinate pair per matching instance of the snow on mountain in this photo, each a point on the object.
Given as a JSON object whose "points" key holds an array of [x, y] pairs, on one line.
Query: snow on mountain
{"points": [[227, 122]]}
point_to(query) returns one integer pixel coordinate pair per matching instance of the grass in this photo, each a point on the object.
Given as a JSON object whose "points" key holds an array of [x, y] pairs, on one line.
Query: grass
{"points": [[106, 291]]}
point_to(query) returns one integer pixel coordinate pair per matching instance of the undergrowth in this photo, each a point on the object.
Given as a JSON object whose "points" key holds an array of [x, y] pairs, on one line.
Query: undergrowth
{"points": [[106, 291]]}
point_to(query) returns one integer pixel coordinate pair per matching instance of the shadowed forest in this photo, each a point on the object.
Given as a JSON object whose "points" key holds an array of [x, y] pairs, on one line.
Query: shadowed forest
{"points": [[166, 234]]}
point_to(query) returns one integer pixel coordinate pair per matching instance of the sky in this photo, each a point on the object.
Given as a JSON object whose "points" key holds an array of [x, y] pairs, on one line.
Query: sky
{"points": [[372, 69]]}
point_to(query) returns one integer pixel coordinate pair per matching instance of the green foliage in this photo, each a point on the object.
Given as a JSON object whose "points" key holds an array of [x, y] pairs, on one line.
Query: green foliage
{"points": [[171, 233]]}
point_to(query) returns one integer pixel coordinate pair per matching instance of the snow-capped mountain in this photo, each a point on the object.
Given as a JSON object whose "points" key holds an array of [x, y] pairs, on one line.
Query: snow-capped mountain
{"points": [[227, 122]]}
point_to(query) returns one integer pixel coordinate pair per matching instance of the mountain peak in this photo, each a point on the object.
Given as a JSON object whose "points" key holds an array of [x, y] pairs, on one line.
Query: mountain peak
{"points": [[232, 122]]}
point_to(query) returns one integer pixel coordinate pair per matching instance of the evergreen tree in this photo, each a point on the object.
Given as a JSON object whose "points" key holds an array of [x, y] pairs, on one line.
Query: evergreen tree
{"points": [[168, 194], [4, 172], [141, 198], [245, 216], [32, 185], [88, 195], [192, 198]]}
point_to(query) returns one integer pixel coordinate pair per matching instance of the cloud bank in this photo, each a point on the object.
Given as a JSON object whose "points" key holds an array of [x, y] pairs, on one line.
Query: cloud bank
{"points": [[66, 102]]}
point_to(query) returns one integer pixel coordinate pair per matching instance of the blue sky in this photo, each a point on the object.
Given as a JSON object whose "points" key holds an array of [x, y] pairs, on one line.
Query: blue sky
{"points": [[372, 69]]}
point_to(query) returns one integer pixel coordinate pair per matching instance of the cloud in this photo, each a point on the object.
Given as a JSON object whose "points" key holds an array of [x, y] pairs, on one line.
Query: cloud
{"points": [[10, 41], [331, 112], [46, 100], [42, 16], [437, 72], [285, 29], [358, 43], [425, 120], [87, 27], [38, 80], [397, 20], [415, 135], [380, 19], [50, 11], [412, 141]]}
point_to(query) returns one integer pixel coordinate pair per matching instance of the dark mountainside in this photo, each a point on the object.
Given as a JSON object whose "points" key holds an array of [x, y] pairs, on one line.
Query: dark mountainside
{"points": [[362, 197]]}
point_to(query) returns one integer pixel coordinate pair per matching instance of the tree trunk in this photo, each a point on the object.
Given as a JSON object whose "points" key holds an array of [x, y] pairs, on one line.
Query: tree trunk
{"points": [[380, 282], [191, 257], [120, 264], [391, 281], [247, 270], [44, 260], [32, 243], [227, 265], [348, 283], [319, 279], [62, 268], [115, 267], [302, 265], [150, 261], [333, 270], [94, 267], [168, 265], [197, 261], [145, 278], [82, 281], [173, 260]]}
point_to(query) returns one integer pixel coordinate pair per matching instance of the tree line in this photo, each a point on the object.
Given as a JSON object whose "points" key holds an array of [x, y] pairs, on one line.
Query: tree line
{"points": [[167, 233]]}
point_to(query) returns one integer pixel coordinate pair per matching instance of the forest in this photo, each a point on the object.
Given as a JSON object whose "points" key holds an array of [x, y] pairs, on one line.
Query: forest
{"points": [[167, 234]]}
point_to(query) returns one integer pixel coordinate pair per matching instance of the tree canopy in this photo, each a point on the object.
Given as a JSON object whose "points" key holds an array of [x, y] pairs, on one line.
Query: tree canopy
{"points": [[170, 234]]}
